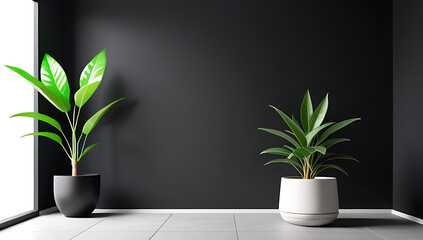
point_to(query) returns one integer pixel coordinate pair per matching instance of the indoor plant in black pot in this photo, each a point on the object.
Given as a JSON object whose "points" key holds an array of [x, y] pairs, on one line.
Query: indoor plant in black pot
{"points": [[75, 196], [309, 200]]}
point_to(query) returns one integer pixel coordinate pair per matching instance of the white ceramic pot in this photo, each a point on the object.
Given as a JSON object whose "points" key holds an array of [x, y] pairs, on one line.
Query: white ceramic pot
{"points": [[309, 202]]}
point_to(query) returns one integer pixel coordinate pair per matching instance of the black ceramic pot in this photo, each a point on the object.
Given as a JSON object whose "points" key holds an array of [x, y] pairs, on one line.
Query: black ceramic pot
{"points": [[77, 196]]}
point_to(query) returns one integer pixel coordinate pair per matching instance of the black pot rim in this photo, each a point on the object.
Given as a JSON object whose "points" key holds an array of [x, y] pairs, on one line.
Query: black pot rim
{"points": [[83, 175]]}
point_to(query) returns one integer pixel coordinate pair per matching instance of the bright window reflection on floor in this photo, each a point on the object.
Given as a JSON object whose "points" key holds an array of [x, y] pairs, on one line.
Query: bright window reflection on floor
{"points": [[17, 154]]}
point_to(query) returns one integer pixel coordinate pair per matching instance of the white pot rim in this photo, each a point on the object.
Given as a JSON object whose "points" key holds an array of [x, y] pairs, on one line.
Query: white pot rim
{"points": [[298, 178]]}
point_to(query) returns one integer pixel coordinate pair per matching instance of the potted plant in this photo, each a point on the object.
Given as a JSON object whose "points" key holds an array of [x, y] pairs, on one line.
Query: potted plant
{"points": [[309, 200], [76, 195]]}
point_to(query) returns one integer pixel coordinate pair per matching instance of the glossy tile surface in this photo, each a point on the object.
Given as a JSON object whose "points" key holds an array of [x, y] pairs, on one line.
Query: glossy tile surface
{"points": [[12, 235], [203, 235], [121, 235], [270, 222], [198, 222], [146, 222], [211, 226], [275, 235]]}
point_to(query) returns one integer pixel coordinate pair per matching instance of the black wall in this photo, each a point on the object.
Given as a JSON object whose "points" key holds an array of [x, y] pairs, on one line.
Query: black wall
{"points": [[53, 31], [408, 84], [199, 76]]}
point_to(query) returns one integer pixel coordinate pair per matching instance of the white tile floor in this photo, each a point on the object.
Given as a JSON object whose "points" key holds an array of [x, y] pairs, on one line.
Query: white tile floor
{"points": [[207, 226]]}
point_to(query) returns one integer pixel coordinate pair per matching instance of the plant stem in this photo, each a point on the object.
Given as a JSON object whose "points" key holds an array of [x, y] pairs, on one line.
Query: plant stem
{"points": [[306, 168], [70, 123], [77, 146], [83, 145], [77, 116], [74, 155], [75, 124], [73, 152], [73, 115], [70, 149], [74, 168], [66, 152], [298, 170]]}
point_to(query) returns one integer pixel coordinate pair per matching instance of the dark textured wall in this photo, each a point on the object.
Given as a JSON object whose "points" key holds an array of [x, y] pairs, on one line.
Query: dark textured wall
{"points": [[199, 76], [408, 84], [53, 31]]}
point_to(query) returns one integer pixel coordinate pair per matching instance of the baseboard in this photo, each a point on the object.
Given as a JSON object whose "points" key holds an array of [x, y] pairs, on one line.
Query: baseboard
{"points": [[226, 211], [17, 219], [365, 210], [48, 210], [186, 211], [408, 217]]}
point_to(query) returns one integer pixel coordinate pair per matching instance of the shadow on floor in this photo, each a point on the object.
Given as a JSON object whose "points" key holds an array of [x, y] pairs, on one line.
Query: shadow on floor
{"points": [[102, 215]]}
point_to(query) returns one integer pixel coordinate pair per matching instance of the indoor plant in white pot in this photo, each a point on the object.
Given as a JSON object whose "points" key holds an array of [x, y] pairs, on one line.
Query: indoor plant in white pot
{"points": [[76, 195], [309, 200]]}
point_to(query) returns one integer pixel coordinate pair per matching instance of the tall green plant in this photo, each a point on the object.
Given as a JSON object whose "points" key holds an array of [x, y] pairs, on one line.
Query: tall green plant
{"points": [[309, 141], [54, 87]]}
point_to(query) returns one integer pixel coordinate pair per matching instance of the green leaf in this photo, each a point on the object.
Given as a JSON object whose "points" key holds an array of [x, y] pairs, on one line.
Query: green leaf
{"points": [[336, 156], [320, 149], [306, 111], [40, 117], [88, 149], [295, 121], [290, 148], [311, 150], [305, 152], [290, 132], [329, 143], [282, 135], [295, 129], [290, 161], [334, 166], [335, 128], [54, 78], [277, 151], [319, 114], [90, 78], [41, 88], [85, 93], [94, 70], [293, 162], [314, 149], [313, 133], [302, 153], [92, 122], [50, 135]]}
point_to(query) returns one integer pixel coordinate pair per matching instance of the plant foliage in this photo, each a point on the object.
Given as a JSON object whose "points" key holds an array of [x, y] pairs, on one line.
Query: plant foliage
{"points": [[54, 87], [308, 153]]}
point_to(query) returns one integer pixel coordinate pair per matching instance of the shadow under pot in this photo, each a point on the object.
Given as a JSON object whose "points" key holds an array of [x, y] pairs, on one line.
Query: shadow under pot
{"points": [[309, 202], [77, 196]]}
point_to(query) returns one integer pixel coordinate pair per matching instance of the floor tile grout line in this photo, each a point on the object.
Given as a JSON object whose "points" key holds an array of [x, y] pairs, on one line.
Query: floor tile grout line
{"points": [[377, 234], [236, 229], [160, 226], [87, 229], [312, 235]]}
